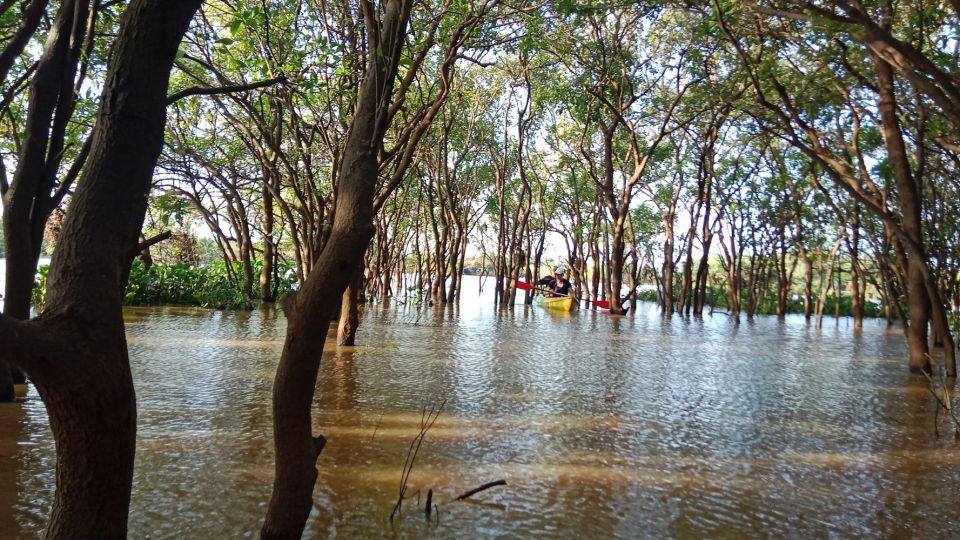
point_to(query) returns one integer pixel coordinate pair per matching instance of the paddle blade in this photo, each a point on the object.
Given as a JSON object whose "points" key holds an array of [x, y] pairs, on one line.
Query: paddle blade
{"points": [[602, 304], [524, 286]]}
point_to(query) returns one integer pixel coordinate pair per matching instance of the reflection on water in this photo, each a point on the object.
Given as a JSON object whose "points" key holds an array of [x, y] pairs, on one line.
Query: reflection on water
{"points": [[603, 427]]}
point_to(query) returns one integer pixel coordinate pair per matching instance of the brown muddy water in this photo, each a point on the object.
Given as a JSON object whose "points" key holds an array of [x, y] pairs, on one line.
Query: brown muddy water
{"points": [[602, 427]]}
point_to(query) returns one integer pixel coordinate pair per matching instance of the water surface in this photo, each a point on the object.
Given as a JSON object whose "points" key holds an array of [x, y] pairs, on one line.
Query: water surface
{"points": [[602, 426]]}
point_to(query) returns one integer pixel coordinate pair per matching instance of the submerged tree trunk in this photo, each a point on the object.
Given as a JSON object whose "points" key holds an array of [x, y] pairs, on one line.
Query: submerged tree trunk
{"points": [[76, 351], [908, 195], [309, 313], [855, 289], [668, 267], [616, 268], [29, 200], [350, 312]]}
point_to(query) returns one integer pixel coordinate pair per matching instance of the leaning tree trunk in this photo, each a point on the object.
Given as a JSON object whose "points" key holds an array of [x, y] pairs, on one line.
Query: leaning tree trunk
{"points": [[908, 195], [76, 351], [313, 308]]}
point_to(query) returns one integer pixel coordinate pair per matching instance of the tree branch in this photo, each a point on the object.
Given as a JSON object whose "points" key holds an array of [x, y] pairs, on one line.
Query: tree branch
{"points": [[72, 173], [210, 91], [31, 347], [151, 241]]}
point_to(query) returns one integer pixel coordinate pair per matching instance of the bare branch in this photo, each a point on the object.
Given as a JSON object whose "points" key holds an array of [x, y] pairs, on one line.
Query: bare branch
{"points": [[210, 91], [484, 487], [152, 241]]}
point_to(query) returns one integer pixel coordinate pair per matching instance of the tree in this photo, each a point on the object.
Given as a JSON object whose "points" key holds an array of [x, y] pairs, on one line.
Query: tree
{"points": [[75, 352], [780, 75], [342, 256]]}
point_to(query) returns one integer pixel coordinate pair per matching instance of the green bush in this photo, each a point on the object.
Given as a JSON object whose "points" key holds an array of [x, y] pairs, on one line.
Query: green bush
{"points": [[39, 294], [207, 286], [717, 297], [182, 284], [647, 295]]}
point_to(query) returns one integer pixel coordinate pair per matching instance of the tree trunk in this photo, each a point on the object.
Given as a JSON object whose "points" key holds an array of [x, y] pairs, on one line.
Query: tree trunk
{"points": [[826, 282], [616, 267], [76, 353], [7, 391], [908, 195], [855, 289], [266, 290], [350, 312], [28, 201], [668, 269], [342, 257]]}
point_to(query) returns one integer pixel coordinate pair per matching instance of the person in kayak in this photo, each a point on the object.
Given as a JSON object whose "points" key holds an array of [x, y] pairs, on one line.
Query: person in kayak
{"points": [[547, 281], [560, 286]]}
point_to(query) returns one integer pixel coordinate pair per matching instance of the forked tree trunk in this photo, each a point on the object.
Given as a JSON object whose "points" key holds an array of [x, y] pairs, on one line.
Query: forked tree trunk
{"points": [[76, 351], [342, 257], [29, 200]]}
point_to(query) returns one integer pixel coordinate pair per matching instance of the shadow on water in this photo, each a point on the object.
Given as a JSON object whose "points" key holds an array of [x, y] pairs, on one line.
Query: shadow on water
{"points": [[625, 427]]}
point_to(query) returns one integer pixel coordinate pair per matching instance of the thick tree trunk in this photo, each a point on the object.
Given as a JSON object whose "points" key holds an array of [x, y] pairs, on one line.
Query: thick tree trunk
{"points": [[826, 282], [94, 419], [76, 352], [7, 390], [28, 201], [342, 257], [808, 289], [783, 277], [700, 286]]}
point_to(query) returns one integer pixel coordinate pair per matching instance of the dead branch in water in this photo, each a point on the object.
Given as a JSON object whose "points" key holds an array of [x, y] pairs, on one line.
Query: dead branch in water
{"points": [[427, 419], [484, 487], [376, 427]]}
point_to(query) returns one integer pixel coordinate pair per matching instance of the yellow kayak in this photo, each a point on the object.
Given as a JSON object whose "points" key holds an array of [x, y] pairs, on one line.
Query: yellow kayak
{"points": [[562, 303]]}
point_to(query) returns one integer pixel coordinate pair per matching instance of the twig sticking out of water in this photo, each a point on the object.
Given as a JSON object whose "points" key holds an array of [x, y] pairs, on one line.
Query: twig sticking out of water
{"points": [[429, 505], [376, 427], [476, 490], [427, 419], [944, 401]]}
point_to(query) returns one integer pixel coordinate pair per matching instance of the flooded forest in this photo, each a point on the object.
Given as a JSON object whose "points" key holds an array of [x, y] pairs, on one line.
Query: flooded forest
{"points": [[447, 268]]}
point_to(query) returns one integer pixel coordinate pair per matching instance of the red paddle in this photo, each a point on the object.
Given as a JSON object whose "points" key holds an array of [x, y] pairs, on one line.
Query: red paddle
{"points": [[524, 286]]}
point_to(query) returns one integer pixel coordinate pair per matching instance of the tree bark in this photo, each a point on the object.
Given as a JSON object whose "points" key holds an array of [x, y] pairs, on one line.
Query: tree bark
{"points": [[908, 196], [342, 256], [76, 351], [29, 200], [350, 312], [668, 267], [855, 289], [266, 290]]}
